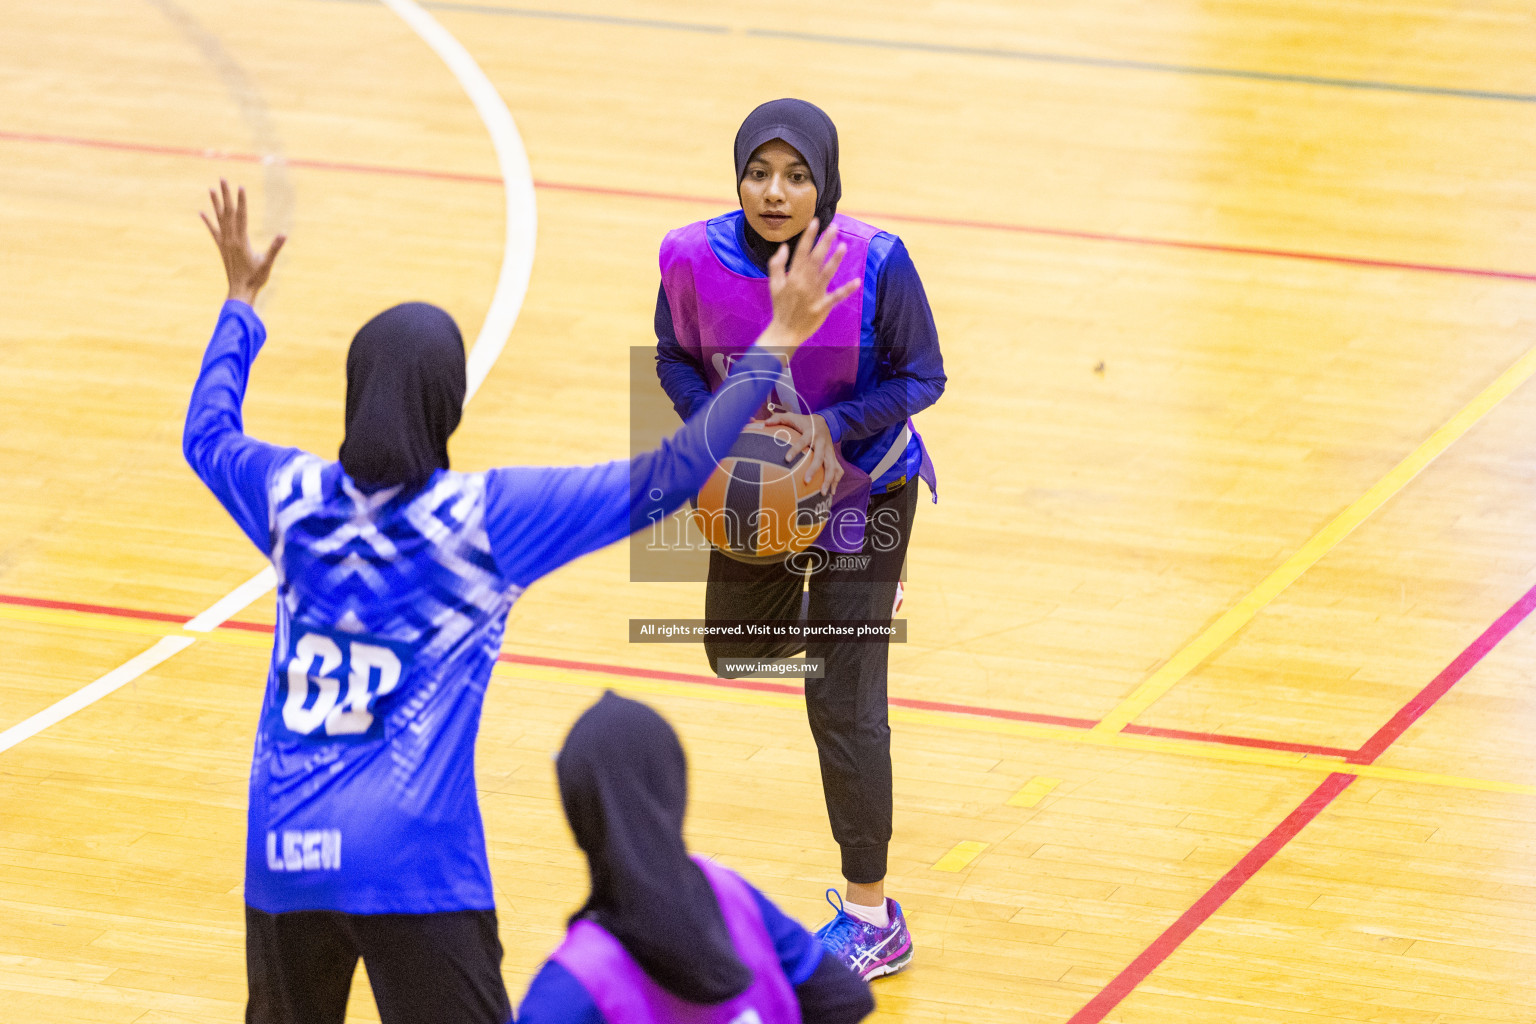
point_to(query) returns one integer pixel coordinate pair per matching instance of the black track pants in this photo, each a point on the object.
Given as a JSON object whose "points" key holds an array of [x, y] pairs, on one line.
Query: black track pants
{"points": [[847, 708], [424, 968]]}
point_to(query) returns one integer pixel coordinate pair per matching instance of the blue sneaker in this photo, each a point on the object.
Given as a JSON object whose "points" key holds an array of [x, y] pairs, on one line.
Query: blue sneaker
{"points": [[868, 951]]}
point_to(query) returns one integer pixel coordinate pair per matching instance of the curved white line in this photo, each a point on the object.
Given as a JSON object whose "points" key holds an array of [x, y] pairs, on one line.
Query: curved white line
{"points": [[506, 303], [89, 694], [217, 613], [516, 258], [517, 182]]}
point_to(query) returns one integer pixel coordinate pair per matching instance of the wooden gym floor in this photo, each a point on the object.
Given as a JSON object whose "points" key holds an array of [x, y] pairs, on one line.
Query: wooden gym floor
{"points": [[1217, 704]]}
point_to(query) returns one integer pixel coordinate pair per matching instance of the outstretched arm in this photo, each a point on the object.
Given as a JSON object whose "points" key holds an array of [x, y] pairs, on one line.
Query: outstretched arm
{"points": [[540, 518], [827, 991], [234, 467]]}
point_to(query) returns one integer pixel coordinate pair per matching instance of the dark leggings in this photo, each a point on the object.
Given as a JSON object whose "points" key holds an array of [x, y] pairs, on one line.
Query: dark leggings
{"points": [[847, 708], [440, 968]]}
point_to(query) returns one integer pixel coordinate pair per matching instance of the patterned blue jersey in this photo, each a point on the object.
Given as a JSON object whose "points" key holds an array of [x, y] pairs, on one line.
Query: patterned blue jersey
{"points": [[390, 612], [390, 616]]}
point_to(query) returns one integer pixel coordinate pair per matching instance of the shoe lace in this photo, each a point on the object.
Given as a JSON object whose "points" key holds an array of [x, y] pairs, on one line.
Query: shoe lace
{"points": [[838, 931]]}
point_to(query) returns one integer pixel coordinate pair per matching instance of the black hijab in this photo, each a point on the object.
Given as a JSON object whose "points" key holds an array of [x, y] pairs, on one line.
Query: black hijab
{"points": [[624, 784], [405, 394], [811, 132]]}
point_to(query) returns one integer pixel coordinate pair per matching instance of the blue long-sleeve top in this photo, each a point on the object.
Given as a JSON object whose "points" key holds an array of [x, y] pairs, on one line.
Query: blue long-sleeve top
{"points": [[366, 803], [828, 993], [900, 372], [538, 517]]}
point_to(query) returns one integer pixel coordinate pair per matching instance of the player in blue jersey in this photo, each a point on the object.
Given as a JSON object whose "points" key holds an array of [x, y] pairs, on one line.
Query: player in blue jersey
{"points": [[395, 575]]}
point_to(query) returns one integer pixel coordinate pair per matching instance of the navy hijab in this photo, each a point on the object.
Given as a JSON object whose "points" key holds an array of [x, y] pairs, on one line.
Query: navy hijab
{"points": [[811, 132], [624, 783], [405, 394]]}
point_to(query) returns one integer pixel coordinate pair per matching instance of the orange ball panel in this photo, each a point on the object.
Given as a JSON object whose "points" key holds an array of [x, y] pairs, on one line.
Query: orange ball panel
{"points": [[762, 519]]}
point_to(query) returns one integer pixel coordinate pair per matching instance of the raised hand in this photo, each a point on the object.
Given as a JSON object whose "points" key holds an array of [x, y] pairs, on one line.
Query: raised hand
{"points": [[246, 271], [801, 301]]}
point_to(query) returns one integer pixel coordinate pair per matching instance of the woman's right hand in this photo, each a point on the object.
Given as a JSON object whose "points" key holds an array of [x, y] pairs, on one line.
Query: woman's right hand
{"points": [[245, 269], [801, 300]]}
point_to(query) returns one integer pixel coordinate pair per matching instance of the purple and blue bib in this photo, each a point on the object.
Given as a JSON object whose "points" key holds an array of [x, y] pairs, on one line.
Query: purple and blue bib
{"points": [[625, 994]]}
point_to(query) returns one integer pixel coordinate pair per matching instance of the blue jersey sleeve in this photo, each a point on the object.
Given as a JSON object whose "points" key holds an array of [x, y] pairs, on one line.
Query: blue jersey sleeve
{"points": [[910, 369], [833, 994], [556, 997], [234, 467], [681, 378], [799, 951], [827, 991], [540, 518]]}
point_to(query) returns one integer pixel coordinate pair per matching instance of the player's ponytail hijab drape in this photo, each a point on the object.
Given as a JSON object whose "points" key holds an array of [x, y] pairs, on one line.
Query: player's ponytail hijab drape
{"points": [[405, 395], [624, 784]]}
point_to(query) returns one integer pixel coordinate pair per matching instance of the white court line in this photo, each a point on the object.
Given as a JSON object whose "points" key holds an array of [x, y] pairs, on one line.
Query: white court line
{"points": [[506, 303], [241, 596], [517, 183], [124, 674]]}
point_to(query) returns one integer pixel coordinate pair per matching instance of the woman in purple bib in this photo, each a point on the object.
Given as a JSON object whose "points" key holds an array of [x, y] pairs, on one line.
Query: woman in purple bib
{"points": [[851, 392], [666, 938]]}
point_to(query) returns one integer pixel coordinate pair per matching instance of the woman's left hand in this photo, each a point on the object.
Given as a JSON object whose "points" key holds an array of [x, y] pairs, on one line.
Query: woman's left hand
{"points": [[815, 436]]}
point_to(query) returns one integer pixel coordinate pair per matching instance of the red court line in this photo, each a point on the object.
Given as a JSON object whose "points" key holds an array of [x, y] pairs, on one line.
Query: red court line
{"points": [[94, 609], [1411, 712], [253, 627], [649, 673], [1124, 983], [1163, 946], [769, 687], [1236, 741], [247, 158], [911, 218], [1215, 247], [1003, 713], [761, 686]]}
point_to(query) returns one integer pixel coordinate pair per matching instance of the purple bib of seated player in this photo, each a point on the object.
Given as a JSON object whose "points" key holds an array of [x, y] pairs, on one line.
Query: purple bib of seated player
{"points": [[625, 994], [719, 313]]}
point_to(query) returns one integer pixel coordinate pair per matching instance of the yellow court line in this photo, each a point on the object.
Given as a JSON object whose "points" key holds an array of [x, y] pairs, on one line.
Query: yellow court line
{"points": [[941, 719], [651, 687], [1239, 615], [122, 624], [88, 620], [960, 855], [1317, 763], [1033, 792]]}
